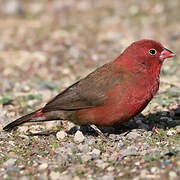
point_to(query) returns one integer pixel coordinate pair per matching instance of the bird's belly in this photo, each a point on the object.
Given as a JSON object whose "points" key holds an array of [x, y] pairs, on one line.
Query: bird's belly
{"points": [[109, 115], [118, 107]]}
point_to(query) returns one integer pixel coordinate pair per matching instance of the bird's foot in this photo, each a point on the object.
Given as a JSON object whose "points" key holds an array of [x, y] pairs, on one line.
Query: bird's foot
{"points": [[155, 129]]}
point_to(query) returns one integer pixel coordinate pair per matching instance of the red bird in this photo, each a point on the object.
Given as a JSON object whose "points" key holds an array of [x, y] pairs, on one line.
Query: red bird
{"points": [[112, 94]]}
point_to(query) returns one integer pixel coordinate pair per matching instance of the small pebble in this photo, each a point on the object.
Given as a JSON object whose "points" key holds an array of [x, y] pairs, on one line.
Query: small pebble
{"points": [[136, 178], [24, 178], [137, 163], [134, 170], [154, 170], [101, 164], [79, 137], [171, 132], [90, 141], [107, 177], [131, 150], [9, 162], [96, 151], [69, 125], [26, 88], [54, 175], [11, 7], [84, 148], [172, 175], [85, 157], [65, 177], [75, 178], [118, 144], [61, 135], [43, 166], [110, 168], [11, 143]]}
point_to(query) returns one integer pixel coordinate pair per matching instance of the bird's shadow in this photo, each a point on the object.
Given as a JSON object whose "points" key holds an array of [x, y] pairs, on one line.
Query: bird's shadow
{"points": [[161, 119]]}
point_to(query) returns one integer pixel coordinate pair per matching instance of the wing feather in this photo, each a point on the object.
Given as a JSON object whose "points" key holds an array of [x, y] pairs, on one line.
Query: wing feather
{"points": [[86, 93]]}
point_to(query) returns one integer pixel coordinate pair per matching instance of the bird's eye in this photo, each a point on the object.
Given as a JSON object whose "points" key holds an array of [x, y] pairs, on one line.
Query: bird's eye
{"points": [[152, 52]]}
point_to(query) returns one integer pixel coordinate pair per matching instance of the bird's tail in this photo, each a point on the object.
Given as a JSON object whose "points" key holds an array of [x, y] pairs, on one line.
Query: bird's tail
{"points": [[27, 118]]}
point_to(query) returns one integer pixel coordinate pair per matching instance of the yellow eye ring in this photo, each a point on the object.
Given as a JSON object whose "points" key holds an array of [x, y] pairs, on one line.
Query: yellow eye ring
{"points": [[152, 52]]}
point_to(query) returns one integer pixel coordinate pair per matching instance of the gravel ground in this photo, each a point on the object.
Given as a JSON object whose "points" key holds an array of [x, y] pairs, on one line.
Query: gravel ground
{"points": [[47, 45]]}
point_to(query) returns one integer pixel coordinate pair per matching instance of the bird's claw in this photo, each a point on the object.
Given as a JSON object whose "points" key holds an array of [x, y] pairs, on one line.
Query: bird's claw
{"points": [[155, 129]]}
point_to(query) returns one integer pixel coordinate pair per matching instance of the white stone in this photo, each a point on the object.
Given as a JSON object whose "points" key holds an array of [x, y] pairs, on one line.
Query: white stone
{"points": [[79, 137], [10, 162], [96, 151], [136, 178], [110, 168], [107, 177], [26, 88], [76, 178], [69, 125], [54, 175], [61, 135], [101, 164], [43, 166], [171, 132], [172, 175], [84, 148], [11, 7], [137, 163], [11, 143], [24, 178], [154, 170], [65, 177], [85, 157]]}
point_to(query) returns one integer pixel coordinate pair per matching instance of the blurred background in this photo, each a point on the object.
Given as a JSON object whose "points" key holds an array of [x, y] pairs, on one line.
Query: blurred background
{"points": [[46, 45]]}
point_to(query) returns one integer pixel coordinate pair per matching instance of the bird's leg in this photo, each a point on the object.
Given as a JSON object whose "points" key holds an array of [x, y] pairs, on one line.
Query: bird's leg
{"points": [[98, 131], [155, 129]]}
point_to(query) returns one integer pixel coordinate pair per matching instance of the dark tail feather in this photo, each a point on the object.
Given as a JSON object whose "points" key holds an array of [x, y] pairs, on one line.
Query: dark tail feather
{"points": [[24, 119]]}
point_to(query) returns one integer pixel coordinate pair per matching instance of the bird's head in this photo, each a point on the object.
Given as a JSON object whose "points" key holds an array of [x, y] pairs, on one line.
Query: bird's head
{"points": [[147, 54]]}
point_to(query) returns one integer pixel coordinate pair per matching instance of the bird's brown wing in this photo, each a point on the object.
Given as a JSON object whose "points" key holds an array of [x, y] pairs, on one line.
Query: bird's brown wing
{"points": [[86, 93]]}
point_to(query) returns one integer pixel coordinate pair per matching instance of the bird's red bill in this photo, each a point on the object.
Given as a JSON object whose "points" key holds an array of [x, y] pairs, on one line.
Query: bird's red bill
{"points": [[166, 53]]}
